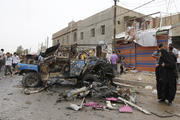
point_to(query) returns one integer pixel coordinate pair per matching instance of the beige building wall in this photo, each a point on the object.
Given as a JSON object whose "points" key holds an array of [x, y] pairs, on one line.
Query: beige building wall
{"points": [[95, 22], [103, 18], [66, 36]]}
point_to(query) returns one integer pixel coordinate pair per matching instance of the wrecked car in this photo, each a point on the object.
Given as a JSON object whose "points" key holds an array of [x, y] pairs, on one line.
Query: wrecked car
{"points": [[63, 62]]}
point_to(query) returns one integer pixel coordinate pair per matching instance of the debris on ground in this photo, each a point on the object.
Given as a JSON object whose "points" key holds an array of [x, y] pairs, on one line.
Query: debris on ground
{"points": [[94, 105], [148, 87], [154, 91], [29, 91], [81, 91], [112, 99], [134, 105], [109, 106], [125, 109], [76, 107]]}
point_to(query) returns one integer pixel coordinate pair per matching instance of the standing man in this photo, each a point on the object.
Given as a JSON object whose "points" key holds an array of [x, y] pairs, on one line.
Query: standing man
{"points": [[15, 61], [40, 58], [157, 57], [1, 58], [8, 64], [114, 59], [119, 62], [175, 51]]}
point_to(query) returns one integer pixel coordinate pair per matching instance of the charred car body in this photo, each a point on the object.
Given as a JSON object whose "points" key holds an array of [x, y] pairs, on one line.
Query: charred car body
{"points": [[64, 62]]}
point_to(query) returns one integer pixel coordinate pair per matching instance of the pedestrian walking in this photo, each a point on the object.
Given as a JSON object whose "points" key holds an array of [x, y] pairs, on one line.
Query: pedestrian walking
{"points": [[1, 59], [157, 57], [8, 64], [122, 67], [114, 59], [15, 61], [167, 76]]}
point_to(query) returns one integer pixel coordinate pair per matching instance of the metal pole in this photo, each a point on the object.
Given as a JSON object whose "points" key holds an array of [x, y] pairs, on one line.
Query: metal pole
{"points": [[114, 36]]}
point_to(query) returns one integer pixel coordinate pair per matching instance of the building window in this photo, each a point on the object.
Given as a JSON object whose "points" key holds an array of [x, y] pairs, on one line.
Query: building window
{"points": [[93, 32], [75, 36], [102, 29], [82, 35], [63, 41], [68, 39]]}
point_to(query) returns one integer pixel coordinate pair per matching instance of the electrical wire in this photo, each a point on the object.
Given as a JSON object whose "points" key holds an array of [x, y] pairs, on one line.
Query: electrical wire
{"points": [[175, 5], [137, 7], [167, 9]]}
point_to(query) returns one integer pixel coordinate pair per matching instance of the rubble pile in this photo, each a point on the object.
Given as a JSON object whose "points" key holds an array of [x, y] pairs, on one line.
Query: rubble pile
{"points": [[111, 94]]}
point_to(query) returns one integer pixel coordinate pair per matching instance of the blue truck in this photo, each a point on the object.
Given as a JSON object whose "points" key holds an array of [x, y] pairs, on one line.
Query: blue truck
{"points": [[65, 62]]}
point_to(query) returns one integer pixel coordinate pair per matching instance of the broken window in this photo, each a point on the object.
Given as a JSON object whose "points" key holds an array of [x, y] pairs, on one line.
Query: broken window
{"points": [[93, 32], [102, 29]]}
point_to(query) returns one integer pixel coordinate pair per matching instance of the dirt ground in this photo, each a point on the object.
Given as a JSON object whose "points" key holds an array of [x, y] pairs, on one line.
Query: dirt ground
{"points": [[145, 77], [15, 105]]}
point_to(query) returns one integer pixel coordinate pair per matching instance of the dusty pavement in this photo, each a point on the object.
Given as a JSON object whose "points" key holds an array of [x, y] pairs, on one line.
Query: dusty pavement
{"points": [[15, 105]]}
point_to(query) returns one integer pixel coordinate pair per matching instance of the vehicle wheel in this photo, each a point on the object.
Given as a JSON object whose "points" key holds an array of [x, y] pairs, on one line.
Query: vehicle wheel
{"points": [[31, 80], [88, 79]]}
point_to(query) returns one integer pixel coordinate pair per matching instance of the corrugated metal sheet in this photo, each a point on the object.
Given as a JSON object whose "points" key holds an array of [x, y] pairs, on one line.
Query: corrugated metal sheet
{"points": [[139, 56]]}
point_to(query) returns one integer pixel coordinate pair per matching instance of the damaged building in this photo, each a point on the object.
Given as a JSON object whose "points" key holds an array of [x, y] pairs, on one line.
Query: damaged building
{"points": [[142, 37], [137, 35]]}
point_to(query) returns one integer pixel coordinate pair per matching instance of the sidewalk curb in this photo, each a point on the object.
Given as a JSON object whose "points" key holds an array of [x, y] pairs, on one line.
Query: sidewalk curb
{"points": [[132, 82], [140, 83]]}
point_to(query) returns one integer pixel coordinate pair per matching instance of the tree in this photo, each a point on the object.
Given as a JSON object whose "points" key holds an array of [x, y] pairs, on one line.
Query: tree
{"points": [[20, 50], [26, 51]]}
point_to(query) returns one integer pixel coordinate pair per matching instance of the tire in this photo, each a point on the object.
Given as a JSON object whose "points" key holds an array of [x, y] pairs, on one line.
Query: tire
{"points": [[31, 80], [89, 78]]}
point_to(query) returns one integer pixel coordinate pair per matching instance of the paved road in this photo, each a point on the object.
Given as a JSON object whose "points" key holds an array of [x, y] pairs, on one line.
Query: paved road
{"points": [[15, 105]]}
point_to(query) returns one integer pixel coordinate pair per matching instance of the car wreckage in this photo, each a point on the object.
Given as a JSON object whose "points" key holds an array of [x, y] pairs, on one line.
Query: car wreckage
{"points": [[64, 62]]}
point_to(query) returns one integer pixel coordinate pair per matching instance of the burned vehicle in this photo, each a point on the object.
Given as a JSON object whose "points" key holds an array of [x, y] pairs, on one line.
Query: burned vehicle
{"points": [[64, 62]]}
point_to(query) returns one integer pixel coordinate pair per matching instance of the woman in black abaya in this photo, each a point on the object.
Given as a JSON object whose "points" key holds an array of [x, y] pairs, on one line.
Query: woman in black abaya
{"points": [[167, 72]]}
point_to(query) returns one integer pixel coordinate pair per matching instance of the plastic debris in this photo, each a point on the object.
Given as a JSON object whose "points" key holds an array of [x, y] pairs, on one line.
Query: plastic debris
{"points": [[112, 99], [74, 107], [125, 109], [93, 105], [154, 91], [148, 87], [109, 105]]}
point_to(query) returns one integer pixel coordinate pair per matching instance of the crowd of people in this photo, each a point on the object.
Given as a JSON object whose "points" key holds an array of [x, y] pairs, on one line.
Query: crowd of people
{"points": [[9, 62]]}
